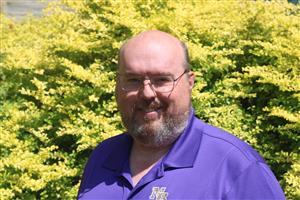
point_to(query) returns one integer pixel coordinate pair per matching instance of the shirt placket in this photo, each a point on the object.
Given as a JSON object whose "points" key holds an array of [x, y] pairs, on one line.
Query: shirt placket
{"points": [[156, 172]]}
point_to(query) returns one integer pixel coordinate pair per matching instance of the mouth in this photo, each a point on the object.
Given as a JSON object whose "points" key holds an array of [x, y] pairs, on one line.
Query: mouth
{"points": [[149, 110], [150, 113]]}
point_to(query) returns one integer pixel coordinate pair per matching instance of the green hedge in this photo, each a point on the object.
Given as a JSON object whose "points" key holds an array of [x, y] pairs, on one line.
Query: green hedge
{"points": [[57, 77]]}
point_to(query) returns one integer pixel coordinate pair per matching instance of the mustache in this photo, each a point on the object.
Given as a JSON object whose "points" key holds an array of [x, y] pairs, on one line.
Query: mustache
{"points": [[147, 105]]}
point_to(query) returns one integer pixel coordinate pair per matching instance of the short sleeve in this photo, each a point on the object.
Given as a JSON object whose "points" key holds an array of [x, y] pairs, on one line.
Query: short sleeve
{"points": [[256, 182]]}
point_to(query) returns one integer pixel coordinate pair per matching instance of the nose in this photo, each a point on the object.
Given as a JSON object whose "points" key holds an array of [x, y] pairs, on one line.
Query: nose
{"points": [[146, 91]]}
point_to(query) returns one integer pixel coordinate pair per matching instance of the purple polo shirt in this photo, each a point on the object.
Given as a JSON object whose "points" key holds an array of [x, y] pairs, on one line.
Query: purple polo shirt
{"points": [[204, 163]]}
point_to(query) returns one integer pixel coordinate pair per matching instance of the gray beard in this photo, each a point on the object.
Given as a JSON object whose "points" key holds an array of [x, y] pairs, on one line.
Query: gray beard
{"points": [[159, 136]]}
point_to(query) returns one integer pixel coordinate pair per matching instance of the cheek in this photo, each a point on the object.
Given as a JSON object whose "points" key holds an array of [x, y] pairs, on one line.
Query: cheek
{"points": [[125, 102], [179, 101]]}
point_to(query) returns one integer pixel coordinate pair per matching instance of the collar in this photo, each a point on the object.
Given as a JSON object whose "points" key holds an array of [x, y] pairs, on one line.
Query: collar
{"points": [[182, 154], [184, 151], [120, 153]]}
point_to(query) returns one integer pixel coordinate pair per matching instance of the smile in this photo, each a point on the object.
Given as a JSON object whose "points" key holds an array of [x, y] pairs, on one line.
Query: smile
{"points": [[151, 110], [150, 113]]}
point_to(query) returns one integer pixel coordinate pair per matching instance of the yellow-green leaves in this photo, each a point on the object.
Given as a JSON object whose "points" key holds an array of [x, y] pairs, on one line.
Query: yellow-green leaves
{"points": [[57, 79]]}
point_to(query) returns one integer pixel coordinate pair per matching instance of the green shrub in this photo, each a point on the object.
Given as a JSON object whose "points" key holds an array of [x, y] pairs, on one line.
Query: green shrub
{"points": [[57, 84]]}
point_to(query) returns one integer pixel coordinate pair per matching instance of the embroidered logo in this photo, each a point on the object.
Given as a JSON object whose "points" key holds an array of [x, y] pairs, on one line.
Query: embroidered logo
{"points": [[159, 193]]}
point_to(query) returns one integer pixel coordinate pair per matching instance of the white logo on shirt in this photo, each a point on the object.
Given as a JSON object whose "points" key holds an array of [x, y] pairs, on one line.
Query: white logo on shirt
{"points": [[159, 193]]}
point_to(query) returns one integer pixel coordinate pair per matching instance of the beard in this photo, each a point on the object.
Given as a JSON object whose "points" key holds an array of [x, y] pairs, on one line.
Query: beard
{"points": [[160, 132]]}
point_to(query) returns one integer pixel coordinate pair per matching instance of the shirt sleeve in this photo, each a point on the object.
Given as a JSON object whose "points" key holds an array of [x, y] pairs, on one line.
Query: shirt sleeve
{"points": [[256, 182]]}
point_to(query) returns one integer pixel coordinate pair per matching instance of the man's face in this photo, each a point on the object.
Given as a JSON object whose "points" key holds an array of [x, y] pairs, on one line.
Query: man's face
{"points": [[154, 118]]}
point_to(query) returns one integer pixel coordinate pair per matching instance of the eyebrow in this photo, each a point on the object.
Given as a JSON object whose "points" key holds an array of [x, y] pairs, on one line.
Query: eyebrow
{"points": [[155, 74]]}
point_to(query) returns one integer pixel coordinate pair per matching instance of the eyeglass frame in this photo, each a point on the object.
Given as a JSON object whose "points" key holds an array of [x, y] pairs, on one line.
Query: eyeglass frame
{"points": [[151, 85]]}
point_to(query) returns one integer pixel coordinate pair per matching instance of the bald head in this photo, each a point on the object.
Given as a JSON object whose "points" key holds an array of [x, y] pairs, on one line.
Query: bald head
{"points": [[155, 40]]}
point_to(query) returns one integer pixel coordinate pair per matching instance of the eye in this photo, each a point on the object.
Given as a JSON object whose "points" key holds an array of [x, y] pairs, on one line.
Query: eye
{"points": [[132, 80], [162, 80]]}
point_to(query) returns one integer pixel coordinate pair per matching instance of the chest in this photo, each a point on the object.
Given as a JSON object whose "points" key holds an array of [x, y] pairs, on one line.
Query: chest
{"points": [[157, 184]]}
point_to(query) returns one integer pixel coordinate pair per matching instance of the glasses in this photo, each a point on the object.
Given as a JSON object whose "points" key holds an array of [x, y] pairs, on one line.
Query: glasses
{"points": [[161, 84]]}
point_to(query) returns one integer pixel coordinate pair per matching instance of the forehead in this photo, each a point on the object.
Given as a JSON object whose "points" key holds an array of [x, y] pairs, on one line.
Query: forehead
{"points": [[151, 56]]}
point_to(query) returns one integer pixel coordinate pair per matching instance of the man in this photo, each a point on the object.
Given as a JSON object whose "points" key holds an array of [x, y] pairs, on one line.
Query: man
{"points": [[167, 153]]}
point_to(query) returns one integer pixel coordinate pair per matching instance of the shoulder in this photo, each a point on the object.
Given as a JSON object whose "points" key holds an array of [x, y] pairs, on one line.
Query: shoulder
{"points": [[111, 149], [235, 166], [107, 156], [219, 140], [114, 143], [115, 140], [224, 154], [108, 148]]}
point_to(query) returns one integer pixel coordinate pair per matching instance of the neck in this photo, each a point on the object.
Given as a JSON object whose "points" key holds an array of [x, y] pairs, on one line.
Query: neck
{"points": [[143, 158], [148, 153]]}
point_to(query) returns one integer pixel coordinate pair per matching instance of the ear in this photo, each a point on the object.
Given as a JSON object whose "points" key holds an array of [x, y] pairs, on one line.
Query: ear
{"points": [[191, 79]]}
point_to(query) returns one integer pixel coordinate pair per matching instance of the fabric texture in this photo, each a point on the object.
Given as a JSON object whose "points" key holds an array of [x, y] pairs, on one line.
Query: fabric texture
{"points": [[204, 163]]}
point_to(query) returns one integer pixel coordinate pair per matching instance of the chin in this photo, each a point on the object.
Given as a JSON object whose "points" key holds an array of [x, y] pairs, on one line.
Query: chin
{"points": [[157, 132], [150, 126]]}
